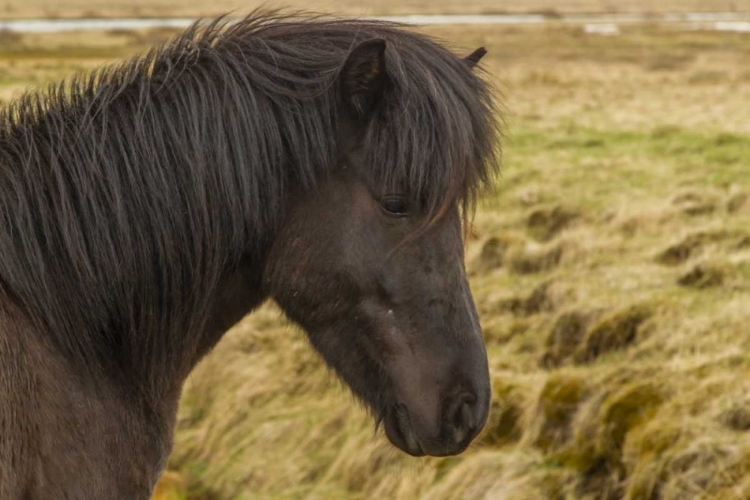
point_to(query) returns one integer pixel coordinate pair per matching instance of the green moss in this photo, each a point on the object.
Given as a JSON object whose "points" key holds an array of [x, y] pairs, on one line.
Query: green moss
{"points": [[623, 411], [596, 452], [556, 407], [506, 412], [646, 452], [560, 396]]}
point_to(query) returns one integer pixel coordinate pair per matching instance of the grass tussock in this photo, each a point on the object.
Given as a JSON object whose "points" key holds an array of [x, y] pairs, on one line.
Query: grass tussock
{"points": [[614, 332], [565, 337], [556, 407], [505, 425], [705, 275], [690, 246], [546, 223], [533, 259], [539, 300], [611, 270], [494, 252]]}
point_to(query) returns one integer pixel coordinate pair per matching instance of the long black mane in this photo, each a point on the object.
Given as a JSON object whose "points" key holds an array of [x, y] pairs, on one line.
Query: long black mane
{"points": [[127, 195]]}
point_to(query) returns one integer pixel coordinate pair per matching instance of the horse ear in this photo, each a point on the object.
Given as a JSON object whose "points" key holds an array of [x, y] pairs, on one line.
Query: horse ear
{"points": [[363, 76], [473, 58]]}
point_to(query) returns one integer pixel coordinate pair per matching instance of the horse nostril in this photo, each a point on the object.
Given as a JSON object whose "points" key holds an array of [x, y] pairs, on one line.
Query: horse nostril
{"points": [[462, 416]]}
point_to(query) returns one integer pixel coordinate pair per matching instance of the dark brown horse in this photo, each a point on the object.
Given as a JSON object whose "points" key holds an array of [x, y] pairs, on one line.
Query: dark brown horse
{"points": [[324, 164]]}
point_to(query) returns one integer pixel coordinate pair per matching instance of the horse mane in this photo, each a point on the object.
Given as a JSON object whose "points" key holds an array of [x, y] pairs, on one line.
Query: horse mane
{"points": [[126, 195]]}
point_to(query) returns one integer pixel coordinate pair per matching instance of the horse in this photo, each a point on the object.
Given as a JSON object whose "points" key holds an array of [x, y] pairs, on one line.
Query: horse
{"points": [[326, 164]]}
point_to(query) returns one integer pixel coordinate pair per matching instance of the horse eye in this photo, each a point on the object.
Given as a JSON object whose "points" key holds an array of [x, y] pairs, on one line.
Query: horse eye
{"points": [[394, 205]]}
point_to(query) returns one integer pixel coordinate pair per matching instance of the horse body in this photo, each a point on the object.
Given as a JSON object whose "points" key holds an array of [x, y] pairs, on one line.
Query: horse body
{"points": [[143, 212]]}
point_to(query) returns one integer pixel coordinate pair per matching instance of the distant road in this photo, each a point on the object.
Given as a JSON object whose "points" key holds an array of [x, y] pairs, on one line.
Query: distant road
{"points": [[722, 21]]}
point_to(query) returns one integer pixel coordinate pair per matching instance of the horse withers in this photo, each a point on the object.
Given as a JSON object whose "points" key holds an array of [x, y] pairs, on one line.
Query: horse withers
{"points": [[326, 164]]}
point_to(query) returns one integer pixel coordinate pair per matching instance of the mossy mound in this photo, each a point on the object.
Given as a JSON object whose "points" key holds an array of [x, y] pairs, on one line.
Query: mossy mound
{"points": [[529, 261], [493, 253], [543, 224], [506, 413], [503, 331], [564, 338], [705, 275], [695, 204], [623, 411], [704, 469], [696, 209], [737, 417], [555, 409], [689, 246], [676, 454], [601, 435], [653, 439], [537, 301], [614, 332], [643, 455]]}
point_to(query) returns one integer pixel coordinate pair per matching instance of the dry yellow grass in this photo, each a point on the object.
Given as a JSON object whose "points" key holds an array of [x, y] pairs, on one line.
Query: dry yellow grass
{"points": [[612, 274], [195, 8]]}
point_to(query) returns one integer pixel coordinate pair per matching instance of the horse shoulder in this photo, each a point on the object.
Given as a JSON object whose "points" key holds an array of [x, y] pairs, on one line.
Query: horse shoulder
{"points": [[63, 435]]}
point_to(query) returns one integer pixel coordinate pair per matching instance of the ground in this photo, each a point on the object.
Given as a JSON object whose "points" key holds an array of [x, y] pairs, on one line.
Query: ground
{"points": [[611, 269]]}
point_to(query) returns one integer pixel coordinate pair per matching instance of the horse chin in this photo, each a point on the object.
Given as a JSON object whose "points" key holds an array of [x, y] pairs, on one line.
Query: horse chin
{"points": [[400, 433]]}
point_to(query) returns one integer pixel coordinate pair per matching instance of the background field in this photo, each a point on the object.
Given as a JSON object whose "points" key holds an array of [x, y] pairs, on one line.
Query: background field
{"points": [[194, 8], [611, 268]]}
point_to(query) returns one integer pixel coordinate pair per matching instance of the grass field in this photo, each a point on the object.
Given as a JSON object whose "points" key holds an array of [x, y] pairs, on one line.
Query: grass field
{"points": [[196, 8], [611, 269]]}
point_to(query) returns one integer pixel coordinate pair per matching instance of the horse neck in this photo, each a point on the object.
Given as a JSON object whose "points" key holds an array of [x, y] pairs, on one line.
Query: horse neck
{"points": [[143, 288]]}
